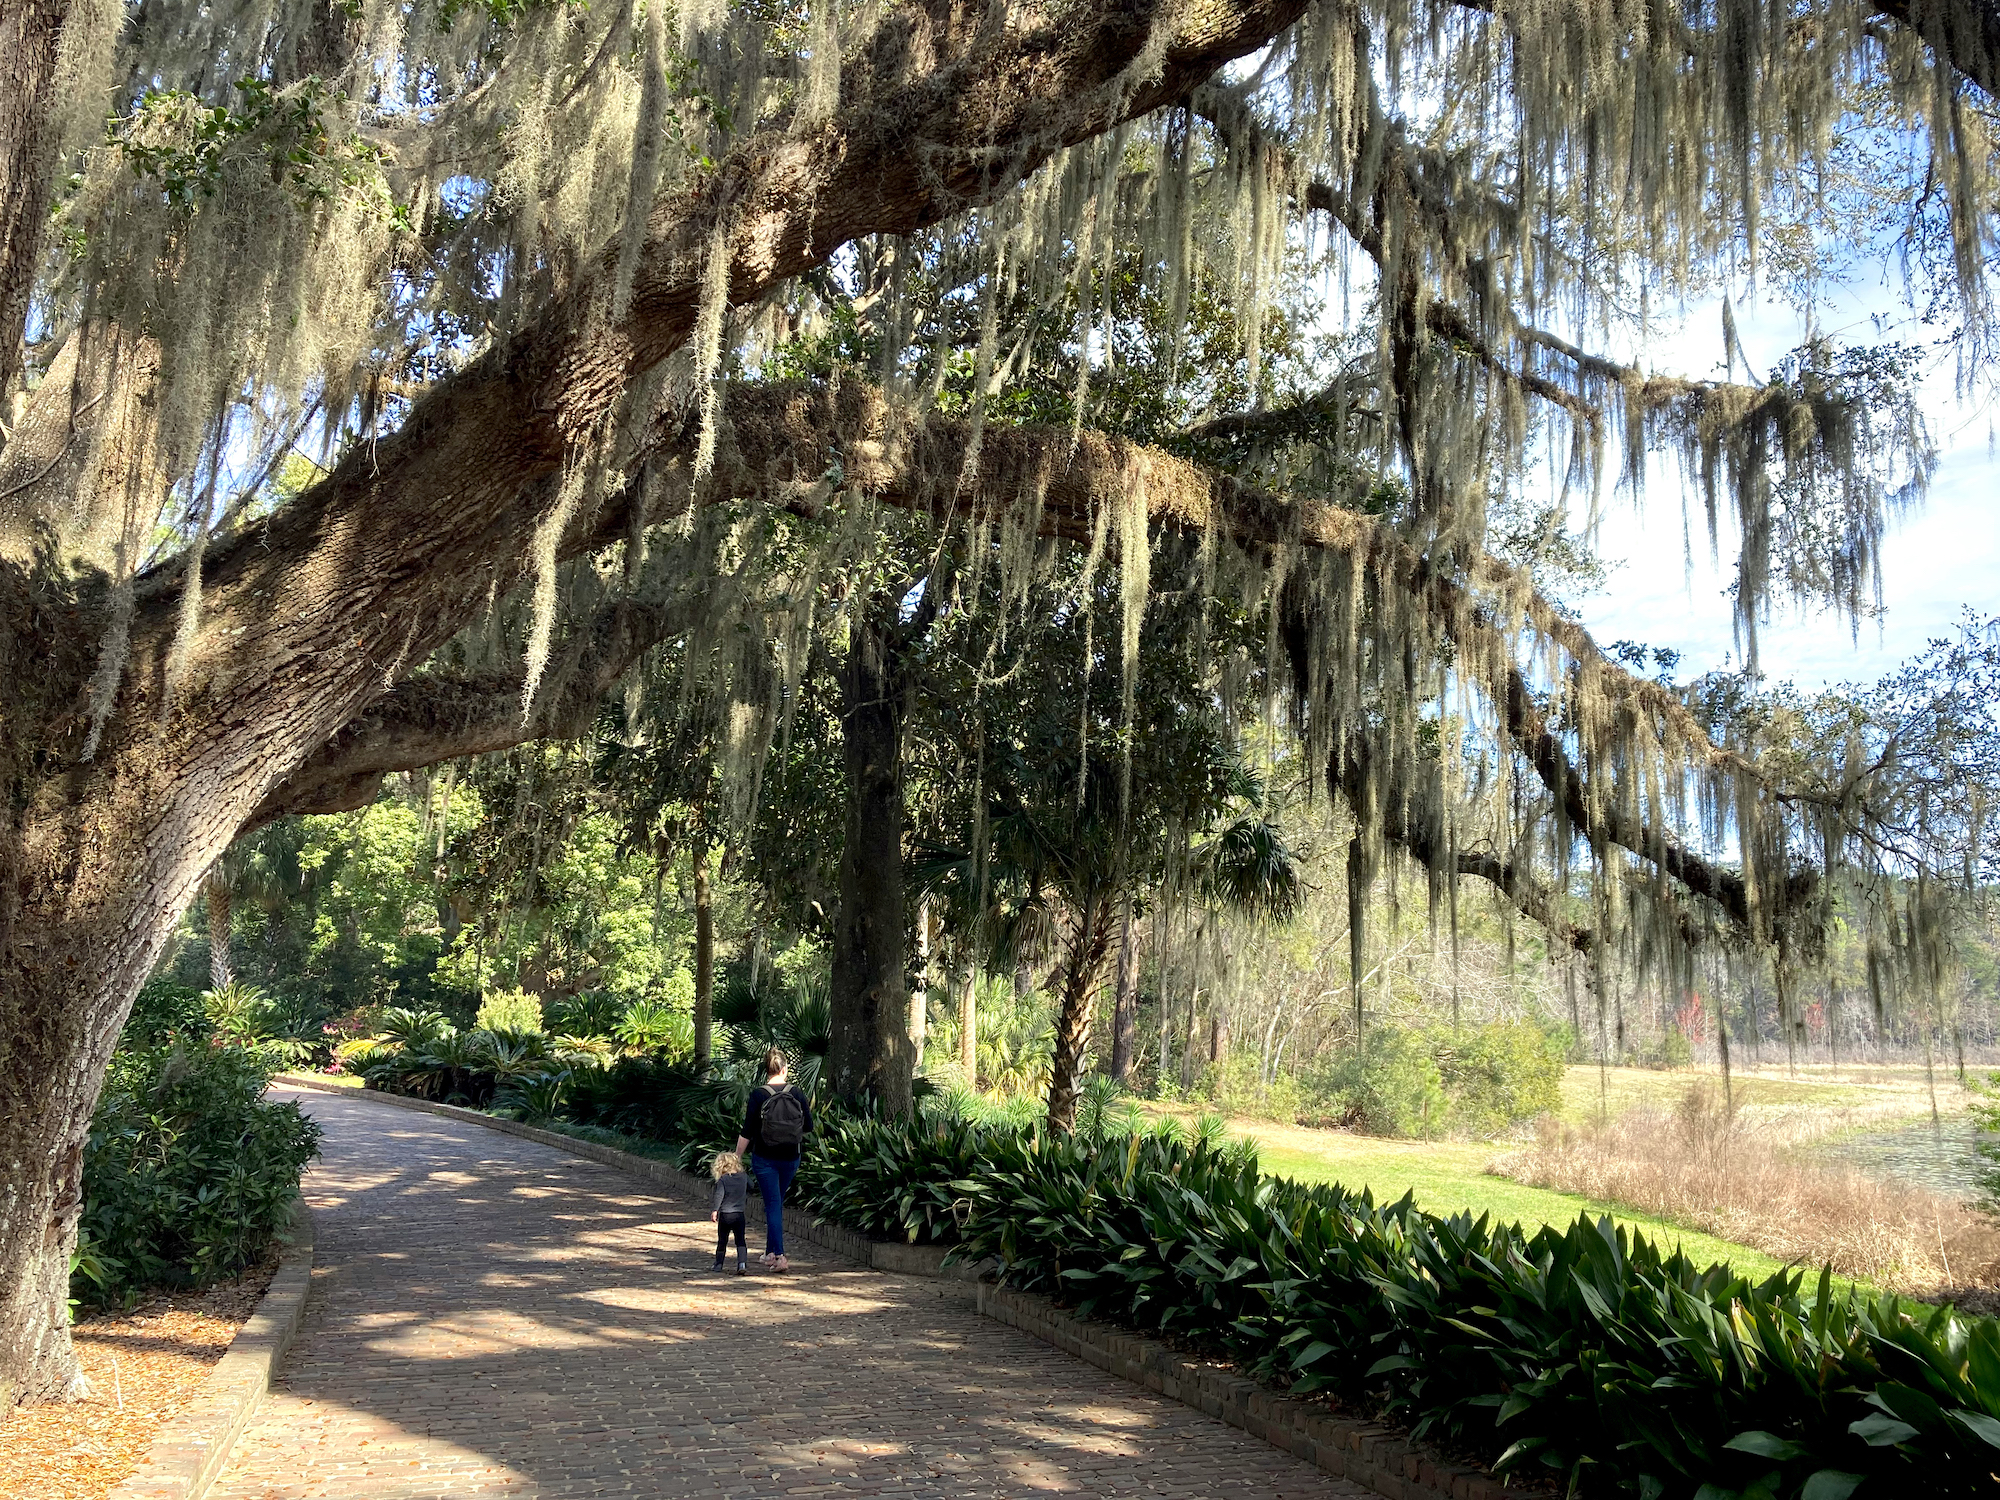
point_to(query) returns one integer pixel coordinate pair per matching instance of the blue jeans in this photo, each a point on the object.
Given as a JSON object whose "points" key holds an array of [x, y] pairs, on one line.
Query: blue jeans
{"points": [[773, 1179]]}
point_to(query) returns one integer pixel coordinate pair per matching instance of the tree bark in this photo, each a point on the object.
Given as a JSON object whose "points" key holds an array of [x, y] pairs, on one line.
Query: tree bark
{"points": [[704, 959], [920, 992], [30, 58], [968, 1022], [1090, 944], [1125, 1014], [216, 894], [870, 1052]]}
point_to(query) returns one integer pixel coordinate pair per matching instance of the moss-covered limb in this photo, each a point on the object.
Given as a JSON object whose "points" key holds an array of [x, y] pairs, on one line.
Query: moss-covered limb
{"points": [[440, 715], [1963, 34], [774, 434], [776, 437], [943, 112], [1405, 208], [1428, 841]]}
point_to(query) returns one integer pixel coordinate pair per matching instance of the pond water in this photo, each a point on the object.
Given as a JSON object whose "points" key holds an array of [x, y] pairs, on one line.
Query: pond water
{"points": [[1939, 1157]]}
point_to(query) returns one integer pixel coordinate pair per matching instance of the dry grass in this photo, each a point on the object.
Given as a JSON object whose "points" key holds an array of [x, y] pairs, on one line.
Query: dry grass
{"points": [[143, 1366], [1806, 1101], [1705, 1165]]}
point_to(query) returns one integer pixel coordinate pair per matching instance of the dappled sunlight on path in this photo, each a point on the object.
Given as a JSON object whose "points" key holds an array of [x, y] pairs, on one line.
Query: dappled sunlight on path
{"points": [[491, 1316]]}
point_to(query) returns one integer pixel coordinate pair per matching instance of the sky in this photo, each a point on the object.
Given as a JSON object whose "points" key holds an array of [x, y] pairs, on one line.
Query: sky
{"points": [[1665, 588]]}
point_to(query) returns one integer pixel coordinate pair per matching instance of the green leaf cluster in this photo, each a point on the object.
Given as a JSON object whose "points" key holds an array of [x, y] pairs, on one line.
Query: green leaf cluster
{"points": [[1436, 1080], [188, 1172]]}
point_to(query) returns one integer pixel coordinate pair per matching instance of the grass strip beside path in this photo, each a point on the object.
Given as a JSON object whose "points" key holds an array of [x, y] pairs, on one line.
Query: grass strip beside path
{"points": [[1450, 1176]]}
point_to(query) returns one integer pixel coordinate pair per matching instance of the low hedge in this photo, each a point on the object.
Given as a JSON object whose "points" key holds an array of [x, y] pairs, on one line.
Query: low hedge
{"points": [[1585, 1354], [188, 1172]]}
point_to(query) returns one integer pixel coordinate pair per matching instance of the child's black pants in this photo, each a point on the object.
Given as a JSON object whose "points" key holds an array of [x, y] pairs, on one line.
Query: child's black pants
{"points": [[725, 1226]]}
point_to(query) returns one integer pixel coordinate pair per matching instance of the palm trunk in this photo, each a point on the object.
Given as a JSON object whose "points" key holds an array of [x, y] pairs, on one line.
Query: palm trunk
{"points": [[1125, 1016], [216, 895], [871, 1052], [704, 959], [1083, 969]]}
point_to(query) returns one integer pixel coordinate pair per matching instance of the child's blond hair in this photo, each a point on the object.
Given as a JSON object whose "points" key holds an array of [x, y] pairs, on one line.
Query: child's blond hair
{"points": [[726, 1162]]}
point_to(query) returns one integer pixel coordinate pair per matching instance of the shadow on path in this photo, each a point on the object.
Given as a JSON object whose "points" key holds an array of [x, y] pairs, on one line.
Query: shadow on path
{"points": [[491, 1316]]}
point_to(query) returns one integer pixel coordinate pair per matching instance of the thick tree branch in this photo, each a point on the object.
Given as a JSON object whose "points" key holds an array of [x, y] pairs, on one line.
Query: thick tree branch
{"points": [[438, 716], [1426, 842], [1964, 36], [776, 434]]}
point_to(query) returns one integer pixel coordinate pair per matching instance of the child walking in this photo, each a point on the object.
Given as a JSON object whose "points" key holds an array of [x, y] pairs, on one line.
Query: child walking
{"points": [[732, 1205]]}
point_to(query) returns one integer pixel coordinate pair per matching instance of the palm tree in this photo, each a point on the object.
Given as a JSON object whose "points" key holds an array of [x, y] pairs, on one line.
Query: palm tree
{"points": [[1068, 844], [262, 869]]}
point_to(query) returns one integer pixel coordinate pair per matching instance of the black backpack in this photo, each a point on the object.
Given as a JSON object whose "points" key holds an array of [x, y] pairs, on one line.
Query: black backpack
{"points": [[782, 1121]]}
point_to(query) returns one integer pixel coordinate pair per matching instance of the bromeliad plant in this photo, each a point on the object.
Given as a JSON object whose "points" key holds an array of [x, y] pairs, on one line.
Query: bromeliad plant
{"points": [[1585, 1355]]}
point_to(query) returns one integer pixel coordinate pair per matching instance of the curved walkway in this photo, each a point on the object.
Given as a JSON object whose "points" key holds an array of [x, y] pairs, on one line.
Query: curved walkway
{"points": [[491, 1316]]}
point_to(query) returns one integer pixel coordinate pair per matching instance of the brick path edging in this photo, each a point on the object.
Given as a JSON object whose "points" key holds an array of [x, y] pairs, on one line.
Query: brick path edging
{"points": [[1363, 1452], [194, 1444]]}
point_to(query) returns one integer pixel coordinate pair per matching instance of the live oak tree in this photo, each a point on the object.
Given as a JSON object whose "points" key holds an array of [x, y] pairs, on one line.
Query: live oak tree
{"points": [[498, 261]]}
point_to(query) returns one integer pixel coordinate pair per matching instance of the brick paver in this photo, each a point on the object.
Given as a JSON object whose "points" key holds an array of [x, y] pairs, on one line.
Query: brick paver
{"points": [[494, 1317]]}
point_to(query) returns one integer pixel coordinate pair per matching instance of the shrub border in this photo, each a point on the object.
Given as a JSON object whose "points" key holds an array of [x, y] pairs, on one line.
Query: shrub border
{"points": [[1365, 1453], [189, 1451]]}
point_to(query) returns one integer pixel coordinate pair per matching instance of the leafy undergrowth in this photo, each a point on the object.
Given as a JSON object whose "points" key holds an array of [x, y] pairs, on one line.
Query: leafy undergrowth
{"points": [[1448, 1177], [189, 1173], [1582, 1354]]}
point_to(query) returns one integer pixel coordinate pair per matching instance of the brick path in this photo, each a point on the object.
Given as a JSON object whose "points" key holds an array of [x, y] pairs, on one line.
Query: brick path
{"points": [[494, 1317]]}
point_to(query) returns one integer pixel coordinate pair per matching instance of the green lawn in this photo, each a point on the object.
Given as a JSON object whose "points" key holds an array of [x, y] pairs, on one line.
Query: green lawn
{"points": [[1450, 1176]]}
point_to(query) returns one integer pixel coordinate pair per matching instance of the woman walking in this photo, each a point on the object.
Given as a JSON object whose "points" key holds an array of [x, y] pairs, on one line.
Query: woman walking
{"points": [[774, 1128]]}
